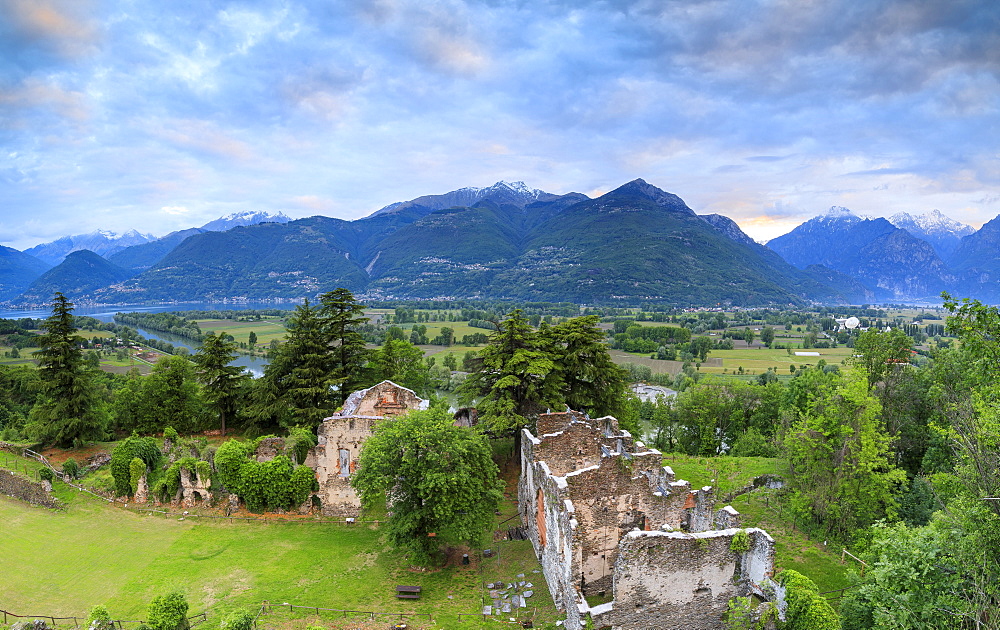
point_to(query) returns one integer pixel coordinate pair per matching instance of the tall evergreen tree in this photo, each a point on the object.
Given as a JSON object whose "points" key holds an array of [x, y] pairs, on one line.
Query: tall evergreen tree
{"points": [[513, 383], [69, 407], [303, 370], [588, 380], [222, 381], [342, 316], [403, 363]]}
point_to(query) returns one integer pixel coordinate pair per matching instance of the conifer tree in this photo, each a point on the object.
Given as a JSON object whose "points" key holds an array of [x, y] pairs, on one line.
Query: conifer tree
{"points": [[303, 369], [222, 381], [587, 379], [513, 383], [69, 407], [342, 316]]}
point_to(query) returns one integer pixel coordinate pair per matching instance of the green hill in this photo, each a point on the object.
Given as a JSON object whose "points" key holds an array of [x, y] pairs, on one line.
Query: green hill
{"points": [[17, 271], [79, 274]]}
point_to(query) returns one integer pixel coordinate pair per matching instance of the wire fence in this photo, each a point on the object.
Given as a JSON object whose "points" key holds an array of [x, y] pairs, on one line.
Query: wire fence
{"points": [[119, 623], [27, 453]]}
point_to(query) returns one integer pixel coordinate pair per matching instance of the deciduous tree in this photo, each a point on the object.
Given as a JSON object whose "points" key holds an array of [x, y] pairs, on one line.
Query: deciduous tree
{"points": [[439, 480], [838, 453], [880, 353]]}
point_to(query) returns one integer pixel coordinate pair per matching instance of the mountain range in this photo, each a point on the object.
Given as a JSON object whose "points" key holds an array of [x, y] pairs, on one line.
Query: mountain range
{"points": [[508, 241]]}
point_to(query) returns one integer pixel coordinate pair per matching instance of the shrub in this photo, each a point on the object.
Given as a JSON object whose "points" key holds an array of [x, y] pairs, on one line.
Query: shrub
{"points": [[238, 620], [262, 485], [752, 443], [807, 609], [168, 612], [70, 468], [99, 619], [170, 433], [740, 542], [121, 460], [46, 474], [136, 469]]}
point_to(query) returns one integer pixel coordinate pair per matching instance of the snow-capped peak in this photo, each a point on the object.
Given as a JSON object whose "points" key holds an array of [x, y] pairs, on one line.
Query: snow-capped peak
{"points": [[247, 217], [518, 187], [838, 212], [934, 222]]}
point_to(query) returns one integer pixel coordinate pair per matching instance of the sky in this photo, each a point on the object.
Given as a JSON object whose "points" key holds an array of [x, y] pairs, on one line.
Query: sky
{"points": [[158, 116]]}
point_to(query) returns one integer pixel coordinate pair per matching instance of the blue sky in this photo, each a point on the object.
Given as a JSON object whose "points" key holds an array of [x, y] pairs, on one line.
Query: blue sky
{"points": [[157, 116]]}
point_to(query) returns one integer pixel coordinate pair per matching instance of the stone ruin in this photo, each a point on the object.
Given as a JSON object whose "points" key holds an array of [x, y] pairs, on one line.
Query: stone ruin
{"points": [[607, 519], [341, 435], [193, 489]]}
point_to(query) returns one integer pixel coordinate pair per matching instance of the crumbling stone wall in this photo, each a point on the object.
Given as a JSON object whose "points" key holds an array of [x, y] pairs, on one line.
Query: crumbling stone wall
{"points": [[681, 580], [269, 448], [18, 487], [340, 437], [586, 487], [194, 489]]}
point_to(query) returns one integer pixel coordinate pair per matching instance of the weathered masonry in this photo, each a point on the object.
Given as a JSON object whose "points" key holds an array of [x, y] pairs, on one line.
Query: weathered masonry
{"points": [[341, 435], [607, 519]]}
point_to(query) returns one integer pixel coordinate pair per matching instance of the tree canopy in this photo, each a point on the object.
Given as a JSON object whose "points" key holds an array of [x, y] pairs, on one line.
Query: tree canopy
{"points": [[524, 371], [439, 480]]}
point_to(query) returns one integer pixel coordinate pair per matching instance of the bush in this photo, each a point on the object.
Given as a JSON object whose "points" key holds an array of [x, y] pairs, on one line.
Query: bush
{"points": [[168, 612], [276, 484], [752, 443], [46, 474], [239, 620], [70, 468], [121, 460], [740, 542], [99, 619], [170, 433], [807, 609]]}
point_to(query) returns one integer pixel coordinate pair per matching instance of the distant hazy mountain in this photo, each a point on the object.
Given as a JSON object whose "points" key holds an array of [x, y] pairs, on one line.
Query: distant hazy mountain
{"points": [[237, 219], [977, 261], [102, 242], [890, 261], [81, 273], [17, 271], [141, 257], [634, 243], [943, 233]]}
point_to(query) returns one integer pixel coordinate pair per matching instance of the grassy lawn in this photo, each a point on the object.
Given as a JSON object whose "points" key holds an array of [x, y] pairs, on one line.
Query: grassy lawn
{"points": [[92, 553]]}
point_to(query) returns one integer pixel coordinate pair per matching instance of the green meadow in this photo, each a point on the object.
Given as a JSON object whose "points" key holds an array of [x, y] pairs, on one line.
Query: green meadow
{"points": [[61, 562]]}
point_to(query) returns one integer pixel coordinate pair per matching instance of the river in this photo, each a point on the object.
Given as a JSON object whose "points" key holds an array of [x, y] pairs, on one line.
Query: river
{"points": [[253, 365]]}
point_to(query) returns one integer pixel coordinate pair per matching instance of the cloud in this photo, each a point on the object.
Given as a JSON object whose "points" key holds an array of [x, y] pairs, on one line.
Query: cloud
{"points": [[175, 210], [48, 27], [345, 107], [314, 203], [36, 94], [204, 137]]}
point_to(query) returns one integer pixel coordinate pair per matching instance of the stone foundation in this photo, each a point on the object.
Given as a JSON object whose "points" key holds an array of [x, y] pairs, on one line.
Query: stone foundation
{"points": [[33, 492]]}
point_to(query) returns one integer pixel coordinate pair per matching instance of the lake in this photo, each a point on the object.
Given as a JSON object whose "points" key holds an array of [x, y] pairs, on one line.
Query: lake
{"points": [[254, 365]]}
